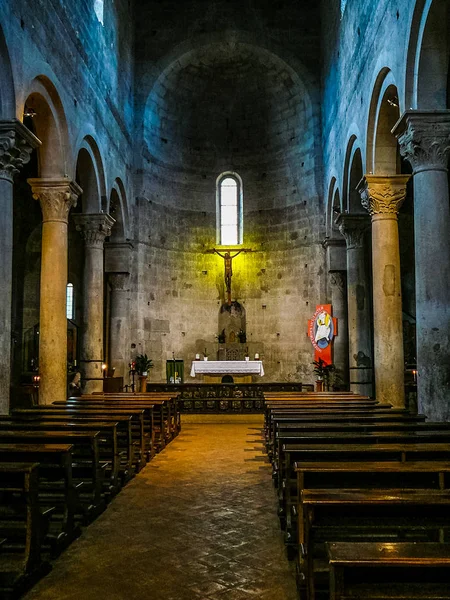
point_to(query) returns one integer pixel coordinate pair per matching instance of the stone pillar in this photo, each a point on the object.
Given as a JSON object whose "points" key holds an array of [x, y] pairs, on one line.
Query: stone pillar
{"points": [[119, 342], [338, 285], [93, 228], [382, 197], [56, 197], [424, 138], [352, 227], [336, 258], [16, 145]]}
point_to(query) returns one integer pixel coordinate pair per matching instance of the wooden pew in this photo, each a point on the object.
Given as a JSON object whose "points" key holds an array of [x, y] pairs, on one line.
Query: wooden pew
{"points": [[56, 490], [117, 429], [149, 429], [108, 448], [167, 421], [387, 450], [99, 413], [290, 436], [86, 467], [22, 529], [388, 476], [293, 422], [377, 570]]}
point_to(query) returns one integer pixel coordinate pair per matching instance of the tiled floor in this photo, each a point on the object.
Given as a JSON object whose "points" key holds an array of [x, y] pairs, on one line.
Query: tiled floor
{"points": [[198, 523]]}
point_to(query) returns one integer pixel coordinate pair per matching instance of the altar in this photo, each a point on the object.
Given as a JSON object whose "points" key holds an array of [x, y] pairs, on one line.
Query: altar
{"points": [[214, 370]]}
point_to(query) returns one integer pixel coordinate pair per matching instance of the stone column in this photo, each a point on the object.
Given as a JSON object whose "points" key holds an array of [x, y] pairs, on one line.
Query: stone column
{"points": [[56, 197], [352, 227], [424, 138], [338, 285], [93, 228], [119, 343], [16, 145], [382, 197]]}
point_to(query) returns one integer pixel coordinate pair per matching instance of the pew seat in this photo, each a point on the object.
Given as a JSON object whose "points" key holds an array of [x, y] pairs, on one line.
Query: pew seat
{"points": [[381, 571]]}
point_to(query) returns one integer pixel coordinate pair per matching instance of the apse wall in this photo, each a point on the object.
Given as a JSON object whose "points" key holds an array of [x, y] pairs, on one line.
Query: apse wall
{"points": [[229, 105]]}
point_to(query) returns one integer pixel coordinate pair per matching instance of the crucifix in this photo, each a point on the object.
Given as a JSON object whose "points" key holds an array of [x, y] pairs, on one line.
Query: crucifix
{"points": [[228, 262]]}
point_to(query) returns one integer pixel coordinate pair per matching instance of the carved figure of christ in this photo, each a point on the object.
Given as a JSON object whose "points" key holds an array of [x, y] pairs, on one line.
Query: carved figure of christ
{"points": [[228, 264]]}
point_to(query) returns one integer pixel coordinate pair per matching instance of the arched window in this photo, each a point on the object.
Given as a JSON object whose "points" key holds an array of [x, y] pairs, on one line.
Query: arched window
{"points": [[70, 304], [98, 8], [229, 209]]}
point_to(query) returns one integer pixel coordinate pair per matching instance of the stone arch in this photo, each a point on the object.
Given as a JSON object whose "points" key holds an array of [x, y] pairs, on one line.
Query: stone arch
{"points": [[333, 207], [384, 89], [353, 173], [118, 209], [428, 57], [51, 127], [88, 147], [7, 93], [382, 147]]}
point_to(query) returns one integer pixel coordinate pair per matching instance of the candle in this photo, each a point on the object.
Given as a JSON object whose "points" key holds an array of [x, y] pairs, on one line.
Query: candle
{"points": [[256, 356], [197, 357]]}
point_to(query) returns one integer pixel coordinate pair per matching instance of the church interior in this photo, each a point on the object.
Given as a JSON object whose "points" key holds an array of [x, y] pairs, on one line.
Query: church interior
{"points": [[225, 307]]}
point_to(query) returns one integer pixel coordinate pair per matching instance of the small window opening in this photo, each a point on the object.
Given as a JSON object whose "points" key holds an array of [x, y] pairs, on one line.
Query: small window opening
{"points": [[229, 195], [70, 304]]}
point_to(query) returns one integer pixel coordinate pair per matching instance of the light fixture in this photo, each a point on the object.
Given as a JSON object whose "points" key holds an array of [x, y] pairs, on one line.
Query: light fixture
{"points": [[28, 111]]}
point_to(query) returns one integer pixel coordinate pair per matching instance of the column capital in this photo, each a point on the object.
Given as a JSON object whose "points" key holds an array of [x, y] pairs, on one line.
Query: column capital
{"points": [[424, 138], [119, 282], [333, 243], [56, 197], [16, 144], [94, 228], [352, 227], [382, 194]]}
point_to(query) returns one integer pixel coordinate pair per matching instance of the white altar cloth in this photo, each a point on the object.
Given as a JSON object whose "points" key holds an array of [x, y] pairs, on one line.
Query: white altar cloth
{"points": [[224, 367]]}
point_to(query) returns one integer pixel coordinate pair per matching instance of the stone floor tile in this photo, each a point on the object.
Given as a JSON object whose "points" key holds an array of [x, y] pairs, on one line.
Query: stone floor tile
{"points": [[198, 523]]}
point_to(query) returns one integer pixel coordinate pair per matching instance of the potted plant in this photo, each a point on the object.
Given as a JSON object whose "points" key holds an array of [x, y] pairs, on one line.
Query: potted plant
{"points": [[327, 375], [319, 370], [142, 365]]}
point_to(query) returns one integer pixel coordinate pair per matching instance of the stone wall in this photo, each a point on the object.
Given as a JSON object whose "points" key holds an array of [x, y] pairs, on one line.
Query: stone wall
{"points": [[229, 99]]}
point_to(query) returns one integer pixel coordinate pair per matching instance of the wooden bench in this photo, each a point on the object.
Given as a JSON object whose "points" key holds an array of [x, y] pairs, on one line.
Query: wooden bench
{"points": [[167, 414], [291, 436], [122, 425], [374, 484], [388, 450], [99, 413], [108, 448], [87, 469], [297, 421], [56, 490], [150, 430], [22, 527], [381, 571]]}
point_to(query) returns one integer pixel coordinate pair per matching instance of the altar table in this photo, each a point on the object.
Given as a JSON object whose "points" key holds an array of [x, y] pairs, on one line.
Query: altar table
{"points": [[214, 370]]}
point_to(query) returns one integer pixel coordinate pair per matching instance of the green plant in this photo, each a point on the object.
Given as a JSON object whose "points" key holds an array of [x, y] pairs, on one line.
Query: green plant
{"points": [[319, 368], [326, 373], [142, 363]]}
